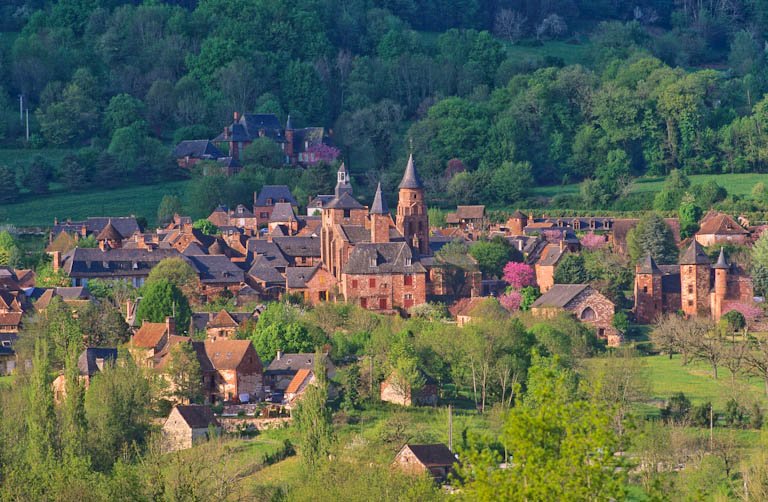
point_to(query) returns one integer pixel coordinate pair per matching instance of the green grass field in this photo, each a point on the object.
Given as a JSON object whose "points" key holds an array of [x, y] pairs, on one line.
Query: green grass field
{"points": [[570, 53], [669, 376], [136, 200], [737, 184]]}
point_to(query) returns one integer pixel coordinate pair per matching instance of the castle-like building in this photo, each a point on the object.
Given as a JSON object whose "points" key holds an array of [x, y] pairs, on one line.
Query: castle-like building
{"points": [[372, 260], [695, 286]]}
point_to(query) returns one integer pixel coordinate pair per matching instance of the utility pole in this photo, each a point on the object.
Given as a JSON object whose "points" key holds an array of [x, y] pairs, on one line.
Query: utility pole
{"points": [[21, 108], [27, 125], [450, 428]]}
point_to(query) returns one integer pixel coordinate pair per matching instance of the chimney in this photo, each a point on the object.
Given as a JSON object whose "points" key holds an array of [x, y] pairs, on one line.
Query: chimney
{"points": [[562, 244], [83, 230], [170, 325], [236, 116], [56, 263], [55, 220], [128, 307], [278, 355]]}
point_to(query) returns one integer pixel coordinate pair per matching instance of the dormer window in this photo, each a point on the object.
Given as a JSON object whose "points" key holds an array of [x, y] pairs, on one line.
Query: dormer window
{"points": [[407, 262], [373, 263], [269, 202]]}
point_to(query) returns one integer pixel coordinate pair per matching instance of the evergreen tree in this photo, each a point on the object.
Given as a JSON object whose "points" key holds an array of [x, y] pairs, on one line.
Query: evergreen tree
{"points": [[9, 251], [312, 419], [72, 429], [170, 205], [40, 416], [571, 270], [161, 299], [184, 372], [652, 236], [9, 192], [760, 265]]}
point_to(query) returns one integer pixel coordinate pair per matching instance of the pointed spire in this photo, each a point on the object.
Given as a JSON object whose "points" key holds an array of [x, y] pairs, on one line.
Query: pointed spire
{"points": [[109, 232], [411, 177], [695, 255], [379, 205], [342, 182], [648, 266], [722, 263], [288, 124]]}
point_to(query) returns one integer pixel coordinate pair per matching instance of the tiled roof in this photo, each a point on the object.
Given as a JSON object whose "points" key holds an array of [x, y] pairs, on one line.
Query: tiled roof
{"points": [[109, 232], [470, 212], [720, 224], [126, 225], [228, 354], [298, 380], [283, 211], [344, 201], [149, 335], [223, 320]]}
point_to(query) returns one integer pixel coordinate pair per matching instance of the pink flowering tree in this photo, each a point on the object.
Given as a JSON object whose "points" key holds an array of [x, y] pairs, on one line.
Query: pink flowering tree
{"points": [[511, 301], [519, 275], [593, 241], [322, 153]]}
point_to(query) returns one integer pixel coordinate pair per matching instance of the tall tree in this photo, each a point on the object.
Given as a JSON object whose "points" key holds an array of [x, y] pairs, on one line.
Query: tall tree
{"points": [[313, 419], [652, 236], [185, 374], [161, 299]]}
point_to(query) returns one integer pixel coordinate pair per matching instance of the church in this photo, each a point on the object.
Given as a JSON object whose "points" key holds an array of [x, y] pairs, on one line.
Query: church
{"points": [[373, 260], [695, 286]]}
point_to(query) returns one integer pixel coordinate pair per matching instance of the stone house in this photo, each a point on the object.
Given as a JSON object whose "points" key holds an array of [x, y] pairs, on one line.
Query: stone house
{"points": [[189, 152], [585, 303], [314, 284], [695, 286], [391, 391], [547, 263], [232, 370], [150, 340], [719, 228], [297, 386], [218, 275], [187, 425], [264, 202], [436, 460], [91, 361], [130, 265], [467, 217], [284, 367]]}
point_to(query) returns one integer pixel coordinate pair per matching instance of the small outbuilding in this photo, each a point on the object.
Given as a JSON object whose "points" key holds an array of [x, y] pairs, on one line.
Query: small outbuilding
{"points": [[433, 459], [187, 425]]}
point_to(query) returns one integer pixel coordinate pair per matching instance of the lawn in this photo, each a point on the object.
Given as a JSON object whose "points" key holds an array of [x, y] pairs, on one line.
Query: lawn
{"points": [[136, 200], [737, 184], [570, 53], [10, 156], [6, 380], [669, 376]]}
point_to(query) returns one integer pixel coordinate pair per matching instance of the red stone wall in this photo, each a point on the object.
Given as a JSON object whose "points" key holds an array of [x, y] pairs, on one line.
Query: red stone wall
{"points": [[388, 292], [695, 284], [648, 298]]}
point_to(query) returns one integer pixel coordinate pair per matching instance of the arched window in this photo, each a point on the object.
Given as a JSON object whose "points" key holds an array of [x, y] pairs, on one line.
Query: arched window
{"points": [[588, 314]]}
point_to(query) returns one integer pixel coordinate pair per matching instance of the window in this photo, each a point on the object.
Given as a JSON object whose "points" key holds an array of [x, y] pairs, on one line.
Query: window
{"points": [[690, 303], [372, 282], [269, 202], [383, 303], [690, 289], [354, 283], [408, 262], [408, 280], [372, 263], [364, 302], [323, 296], [347, 213], [645, 289], [588, 314], [263, 215], [408, 296]]}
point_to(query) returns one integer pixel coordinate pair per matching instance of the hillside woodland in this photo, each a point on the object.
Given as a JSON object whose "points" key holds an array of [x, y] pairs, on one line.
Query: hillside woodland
{"points": [[659, 86]]}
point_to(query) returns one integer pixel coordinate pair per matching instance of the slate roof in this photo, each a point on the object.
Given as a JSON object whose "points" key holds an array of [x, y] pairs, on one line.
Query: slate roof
{"points": [[242, 212], [722, 263], [283, 211], [355, 233], [291, 363], [86, 363], [321, 201], [553, 255], [694, 255], [382, 258], [197, 416], [268, 275], [93, 262], [125, 225], [228, 162], [223, 320], [560, 295], [307, 247], [297, 277], [344, 201], [379, 205], [269, 250], [216, 269], [410, 176], [110, 233], [276, 193], [432, 455], [648, 266], [196, 149]]}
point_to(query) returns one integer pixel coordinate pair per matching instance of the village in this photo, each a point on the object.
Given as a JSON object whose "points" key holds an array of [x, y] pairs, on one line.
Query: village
{"points": [[336, 249]]}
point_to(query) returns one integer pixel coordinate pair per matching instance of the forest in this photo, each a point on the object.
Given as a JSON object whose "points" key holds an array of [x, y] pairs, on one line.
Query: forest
{"points": [[659, 86]]}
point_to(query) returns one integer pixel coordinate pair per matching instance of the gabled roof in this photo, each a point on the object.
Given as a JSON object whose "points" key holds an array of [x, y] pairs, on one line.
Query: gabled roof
{"points": [[229, 354], [298, 246], [519, 215], [296, 382], [283, 211], [648, 266], [432, 455], [694, 255], [196, 149], [268, 250], [110, 233], [216, 269], [87, 362], [297, 277], [197, 416], [344, 201], [291, 363], [223, 320], [275, 193], [382, 258], [720, 224], [379, 205], [410, 176], [149, 335], [470, 212], [560, 295]]}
